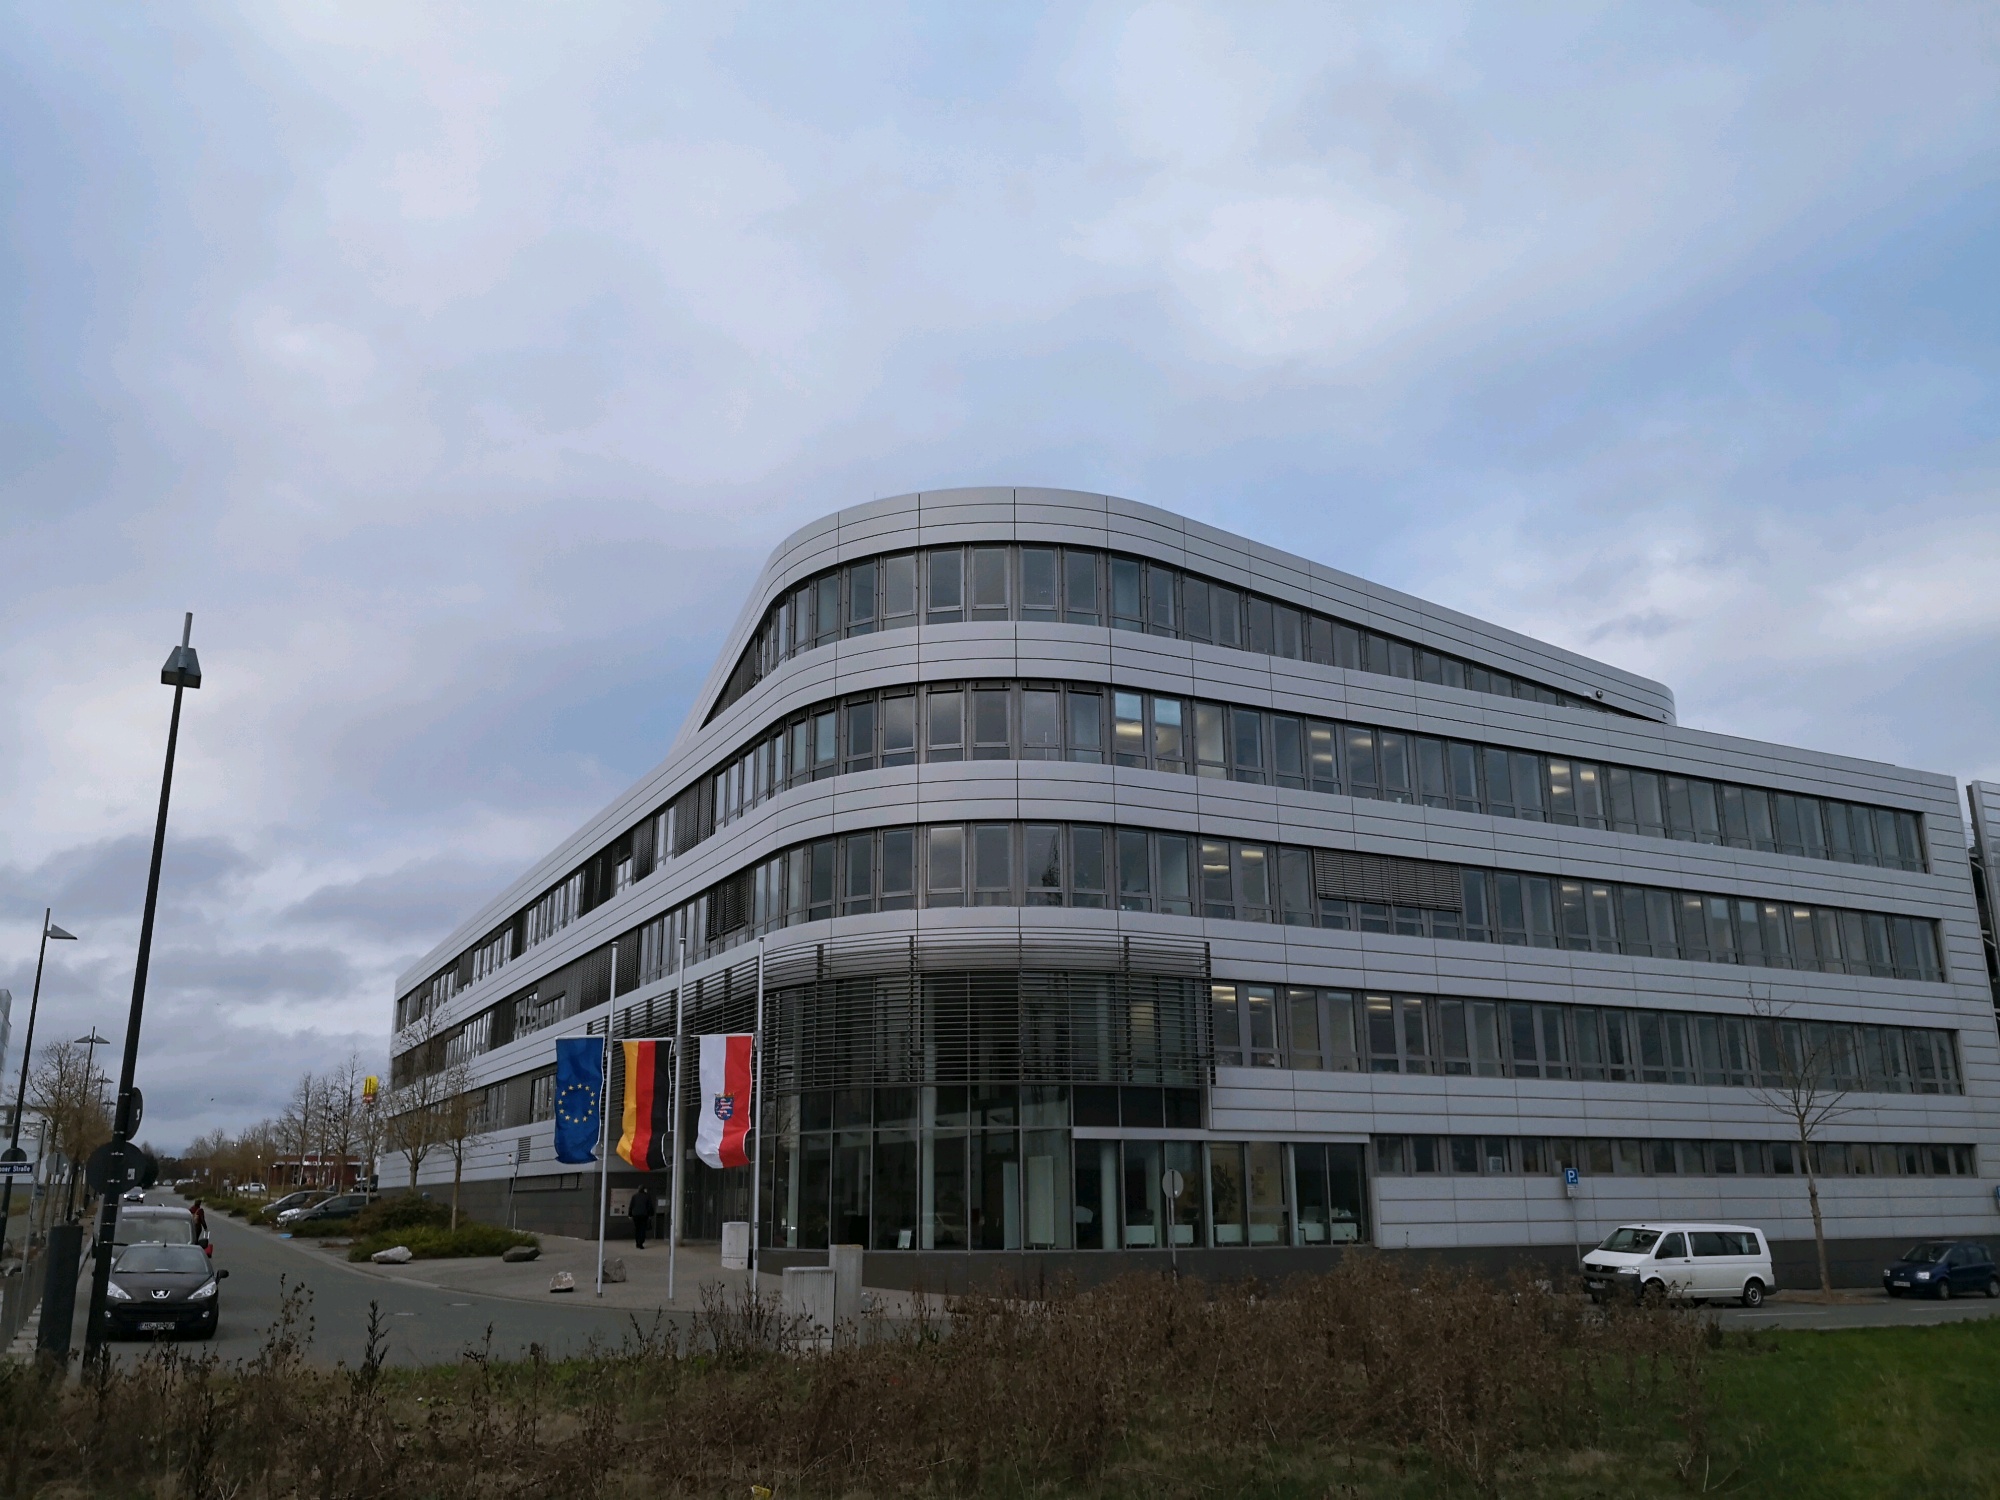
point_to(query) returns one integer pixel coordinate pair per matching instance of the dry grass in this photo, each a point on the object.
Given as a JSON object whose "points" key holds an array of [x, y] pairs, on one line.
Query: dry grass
{"points": [[1349, 1383]]}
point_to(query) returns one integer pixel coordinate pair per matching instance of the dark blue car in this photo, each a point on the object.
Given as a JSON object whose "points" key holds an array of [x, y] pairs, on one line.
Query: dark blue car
{"points": [[1943, 1268]]}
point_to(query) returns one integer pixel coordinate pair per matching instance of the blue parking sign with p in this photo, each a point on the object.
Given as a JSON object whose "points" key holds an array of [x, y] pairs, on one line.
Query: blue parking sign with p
{"points": [[1569, 1177]]}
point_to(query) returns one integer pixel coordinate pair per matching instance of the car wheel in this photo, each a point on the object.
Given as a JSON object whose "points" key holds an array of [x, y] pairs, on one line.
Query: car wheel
{"points": [[1993, 1286], [1944, 1290], [1654, 1294], [1753, 1293]]}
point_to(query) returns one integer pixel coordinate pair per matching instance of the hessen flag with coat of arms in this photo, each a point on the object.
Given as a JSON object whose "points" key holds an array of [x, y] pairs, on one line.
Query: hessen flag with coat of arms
{"points": [[725, 1100]]}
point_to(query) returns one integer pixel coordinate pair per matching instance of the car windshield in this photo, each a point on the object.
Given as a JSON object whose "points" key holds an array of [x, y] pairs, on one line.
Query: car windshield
{"points": [[163, 1260], [1630, 1240], [167, 1229], [1928, 1254]]}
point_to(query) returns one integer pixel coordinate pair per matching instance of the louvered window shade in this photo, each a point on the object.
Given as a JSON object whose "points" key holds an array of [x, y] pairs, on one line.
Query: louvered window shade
{"points": [[1342, 876]]}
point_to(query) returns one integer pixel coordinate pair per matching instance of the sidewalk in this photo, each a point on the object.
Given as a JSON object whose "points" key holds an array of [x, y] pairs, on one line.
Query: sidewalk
{"points": [[645, 1288]]}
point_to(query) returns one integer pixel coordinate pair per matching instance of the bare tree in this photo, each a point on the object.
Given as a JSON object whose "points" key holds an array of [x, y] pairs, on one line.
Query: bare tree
{"points": [[1802, 1076], [64, 1090], [411, 1129], [461, 1118], [297, 1124], [343, 1107]]}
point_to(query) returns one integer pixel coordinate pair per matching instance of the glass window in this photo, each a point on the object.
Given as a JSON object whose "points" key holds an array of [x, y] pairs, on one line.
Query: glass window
{"points": [[1246, 744], [1227, 606], [1325, 763], [1270, 1216], [947, 594], [899, 730], [990, 739], [1041, 724], [989, 583], [1041, 863], [899, 869], [1358, 751], [1038, 583], [858, 876], [1169, 746], [1393, 752], [1257, 624], [1302, 1023], [861, 734], [1080, 588], [1288, 751], [899, 589], [1128, 729], [1286, 634], [1086, 728], [1175, 883], [861, 598], [993, 864], [945, 879], [1087, 857], [1217, 888], [1295, 887], [1253, 883], [1260, 1014], [1210, 758], [1135, 874], [1194, 610], [1125, 595], [826, 609], [1225, 1193], [1226, 1023], [1160, 599], [1319, 639], [945, 725]]}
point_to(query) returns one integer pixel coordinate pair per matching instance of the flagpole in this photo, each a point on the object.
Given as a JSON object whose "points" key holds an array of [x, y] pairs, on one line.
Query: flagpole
{"points": [[756, 1119], [604, 1122], [680, 1021]]}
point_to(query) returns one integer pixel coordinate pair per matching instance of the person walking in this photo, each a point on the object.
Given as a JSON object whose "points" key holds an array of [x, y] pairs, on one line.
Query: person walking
{"points": [[641, 1210]]}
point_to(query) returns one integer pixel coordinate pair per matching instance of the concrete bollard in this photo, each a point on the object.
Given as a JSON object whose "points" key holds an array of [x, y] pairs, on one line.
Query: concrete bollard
{"points": [[736, 1246], [808, 1302]]}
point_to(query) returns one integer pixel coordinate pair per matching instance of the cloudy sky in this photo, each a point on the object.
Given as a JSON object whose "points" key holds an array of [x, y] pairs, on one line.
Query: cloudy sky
{"points": [[458, 365]]}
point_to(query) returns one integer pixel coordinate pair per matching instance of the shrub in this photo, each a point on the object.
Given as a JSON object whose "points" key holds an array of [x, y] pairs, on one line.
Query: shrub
{"points": [[428, 1243], [400, 1211]]}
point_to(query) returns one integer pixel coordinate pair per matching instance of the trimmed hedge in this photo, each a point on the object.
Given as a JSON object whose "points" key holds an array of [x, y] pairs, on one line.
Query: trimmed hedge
{"points": [[425, 1243]]}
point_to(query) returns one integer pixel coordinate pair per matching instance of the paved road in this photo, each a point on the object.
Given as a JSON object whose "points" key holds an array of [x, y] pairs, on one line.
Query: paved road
{"points": [[1874, 1311], [424, 1325]]}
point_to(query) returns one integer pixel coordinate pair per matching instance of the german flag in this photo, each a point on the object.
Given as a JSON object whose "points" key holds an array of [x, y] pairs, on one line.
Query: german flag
{"points": [[646, 1140]]}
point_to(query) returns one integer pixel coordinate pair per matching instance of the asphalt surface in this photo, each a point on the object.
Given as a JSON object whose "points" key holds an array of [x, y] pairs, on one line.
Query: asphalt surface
{"points": [[1868, 1310], [423, 1325]]}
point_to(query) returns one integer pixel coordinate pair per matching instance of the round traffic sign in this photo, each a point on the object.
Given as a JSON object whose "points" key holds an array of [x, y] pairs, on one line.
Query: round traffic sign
{"points": [[1172, 1183]]}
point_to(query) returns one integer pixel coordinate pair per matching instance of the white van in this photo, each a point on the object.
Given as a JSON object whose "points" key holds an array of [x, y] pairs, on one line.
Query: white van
{"points": [[1687, 1262]]}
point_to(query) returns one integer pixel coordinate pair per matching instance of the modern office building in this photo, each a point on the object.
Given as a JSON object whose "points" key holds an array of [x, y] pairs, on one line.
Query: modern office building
{"points": [[1083, 845]]}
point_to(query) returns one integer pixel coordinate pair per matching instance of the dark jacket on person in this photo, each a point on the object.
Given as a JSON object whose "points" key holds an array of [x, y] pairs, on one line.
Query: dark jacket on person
{"points": [[641, 1206]]}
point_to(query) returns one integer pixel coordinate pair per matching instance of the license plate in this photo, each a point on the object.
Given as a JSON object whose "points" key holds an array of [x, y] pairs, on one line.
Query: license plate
{"points": [[155, 1327], [1902, 1283]]}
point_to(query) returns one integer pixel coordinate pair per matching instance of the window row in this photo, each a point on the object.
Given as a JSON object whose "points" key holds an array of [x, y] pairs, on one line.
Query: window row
{"points": [[1092, 866], [1085, 586], [1002, 1188], [949, 722], [1536, 1156], [1348, 1031]]}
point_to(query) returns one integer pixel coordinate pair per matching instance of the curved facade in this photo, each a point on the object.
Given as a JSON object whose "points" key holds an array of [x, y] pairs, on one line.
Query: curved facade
{"points": [[1082, 843]]}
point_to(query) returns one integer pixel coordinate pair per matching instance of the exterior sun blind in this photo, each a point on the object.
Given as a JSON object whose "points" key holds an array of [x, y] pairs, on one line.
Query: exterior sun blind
{"points": [[1342, 876]]}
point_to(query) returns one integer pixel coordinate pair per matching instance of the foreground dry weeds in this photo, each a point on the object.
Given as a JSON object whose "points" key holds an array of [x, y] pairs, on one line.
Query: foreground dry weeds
{"points": [[1353, 1382]]}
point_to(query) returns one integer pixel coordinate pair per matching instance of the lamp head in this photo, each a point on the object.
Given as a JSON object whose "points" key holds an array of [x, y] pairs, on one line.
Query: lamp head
{"points": [[56, 933]]}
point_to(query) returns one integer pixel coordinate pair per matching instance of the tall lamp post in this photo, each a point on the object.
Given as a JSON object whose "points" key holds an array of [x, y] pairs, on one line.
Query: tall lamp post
{"points": [[182, 671], [90, 1044], [49, 930]]}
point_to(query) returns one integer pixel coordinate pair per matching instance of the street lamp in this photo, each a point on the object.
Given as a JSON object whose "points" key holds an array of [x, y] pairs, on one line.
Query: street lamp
{"points": [[91, 1079], [14, 1153], [182, 671]]}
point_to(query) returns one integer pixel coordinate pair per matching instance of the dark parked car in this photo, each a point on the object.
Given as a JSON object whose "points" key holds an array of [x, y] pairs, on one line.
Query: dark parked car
{"points": [[158, 1289], [335, 1210], [1943, 1268]]}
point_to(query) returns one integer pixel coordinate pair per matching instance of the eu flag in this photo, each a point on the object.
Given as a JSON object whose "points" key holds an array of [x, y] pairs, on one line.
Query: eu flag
{"points": [[579, 1095]]}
